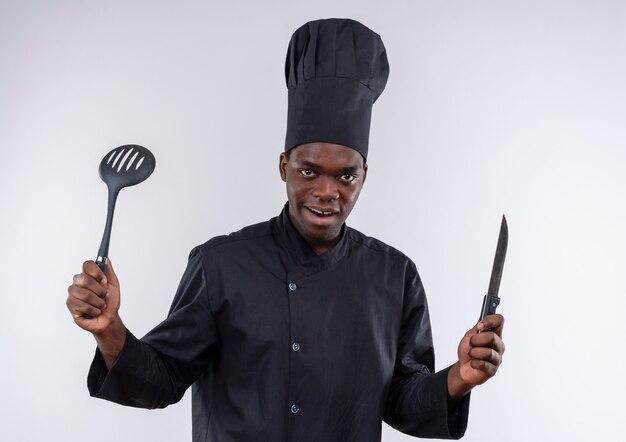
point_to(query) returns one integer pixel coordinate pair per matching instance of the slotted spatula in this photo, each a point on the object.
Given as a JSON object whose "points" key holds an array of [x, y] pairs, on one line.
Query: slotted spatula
{"points": [[122, 167]]}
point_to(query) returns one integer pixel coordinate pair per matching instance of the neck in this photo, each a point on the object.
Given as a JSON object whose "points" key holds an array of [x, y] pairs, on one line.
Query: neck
{"points": [[323, 248], [319, 246]]}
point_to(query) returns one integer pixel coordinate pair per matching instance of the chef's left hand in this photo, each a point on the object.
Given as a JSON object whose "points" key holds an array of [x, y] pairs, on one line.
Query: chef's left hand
{"points": [[480, 355]]}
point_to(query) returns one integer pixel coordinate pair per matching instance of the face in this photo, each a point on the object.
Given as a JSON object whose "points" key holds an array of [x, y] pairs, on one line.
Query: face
{"points": [[323, 184]]}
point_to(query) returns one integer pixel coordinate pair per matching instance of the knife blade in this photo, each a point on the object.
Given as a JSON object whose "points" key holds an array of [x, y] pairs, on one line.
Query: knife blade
{"points": [[491, 299]]}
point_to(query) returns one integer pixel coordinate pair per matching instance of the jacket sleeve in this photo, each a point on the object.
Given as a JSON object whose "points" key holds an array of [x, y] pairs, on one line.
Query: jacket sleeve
{"points": [[418, 397], [156, 371]]}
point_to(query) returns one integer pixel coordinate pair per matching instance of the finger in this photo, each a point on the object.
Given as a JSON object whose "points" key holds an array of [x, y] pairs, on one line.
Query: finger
{"points": [[484, 366], [488, 340], [487, 355], [493, 322], [111, 276], [79, 308], [87, 296], [91, 268], [83, 280]]}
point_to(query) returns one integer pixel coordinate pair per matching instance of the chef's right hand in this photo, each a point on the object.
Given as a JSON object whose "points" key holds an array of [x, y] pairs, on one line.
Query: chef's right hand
{"points": [[92, 293]]}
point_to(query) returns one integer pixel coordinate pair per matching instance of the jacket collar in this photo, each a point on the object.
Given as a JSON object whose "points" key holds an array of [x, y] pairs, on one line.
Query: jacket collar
{"points": [[301, 252]]}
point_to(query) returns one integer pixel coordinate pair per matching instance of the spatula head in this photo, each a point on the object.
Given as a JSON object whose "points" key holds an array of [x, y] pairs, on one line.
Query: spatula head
{"points": [[126, 166]]}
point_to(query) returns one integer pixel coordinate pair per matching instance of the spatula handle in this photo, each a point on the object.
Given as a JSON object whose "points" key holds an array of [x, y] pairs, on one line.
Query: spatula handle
{"points": [[101, 261], [103, 251]]}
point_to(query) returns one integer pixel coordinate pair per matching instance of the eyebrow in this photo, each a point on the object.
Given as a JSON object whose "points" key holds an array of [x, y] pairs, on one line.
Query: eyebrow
{"points": [[312, 165]]}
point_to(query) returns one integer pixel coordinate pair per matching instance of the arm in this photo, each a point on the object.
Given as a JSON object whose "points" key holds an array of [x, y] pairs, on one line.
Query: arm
{"points": [[156, 371], [436, 405], [418, 402], [98, 295]]}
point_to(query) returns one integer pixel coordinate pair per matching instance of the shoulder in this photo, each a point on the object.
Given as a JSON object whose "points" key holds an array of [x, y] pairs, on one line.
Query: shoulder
{"points": [[382, 260], [249, 236], [376, 248]]}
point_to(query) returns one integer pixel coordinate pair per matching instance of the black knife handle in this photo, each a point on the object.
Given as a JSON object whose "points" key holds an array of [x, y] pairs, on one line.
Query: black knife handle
{"points": [[490, 303]]}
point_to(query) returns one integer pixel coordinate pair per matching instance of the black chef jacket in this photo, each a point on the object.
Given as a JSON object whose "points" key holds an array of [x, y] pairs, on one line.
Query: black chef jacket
{"points": [[281, 344]]}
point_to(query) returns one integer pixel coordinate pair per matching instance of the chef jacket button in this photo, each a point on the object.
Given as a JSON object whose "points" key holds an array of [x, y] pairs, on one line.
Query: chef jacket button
{"points": [[295, 346], [295, 408], [292, 287]]}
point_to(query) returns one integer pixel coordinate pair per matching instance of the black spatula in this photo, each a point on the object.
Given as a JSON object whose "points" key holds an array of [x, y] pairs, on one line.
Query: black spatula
{"points": [[122, 167]]}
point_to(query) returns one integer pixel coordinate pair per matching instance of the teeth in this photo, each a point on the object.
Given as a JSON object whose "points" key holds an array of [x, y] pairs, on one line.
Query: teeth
{"points": [[319, 212]]}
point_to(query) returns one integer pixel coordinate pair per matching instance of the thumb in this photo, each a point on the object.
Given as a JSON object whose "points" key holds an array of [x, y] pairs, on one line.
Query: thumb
{"points": [[479, 326], [493, 322], [111, 276]]}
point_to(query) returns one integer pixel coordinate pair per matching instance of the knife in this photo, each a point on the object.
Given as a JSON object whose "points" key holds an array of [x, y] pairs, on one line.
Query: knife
{"points": [[491, 300]]}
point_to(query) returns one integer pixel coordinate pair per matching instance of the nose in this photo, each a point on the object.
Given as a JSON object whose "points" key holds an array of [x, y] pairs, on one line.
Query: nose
{"points": [[326, 189]]}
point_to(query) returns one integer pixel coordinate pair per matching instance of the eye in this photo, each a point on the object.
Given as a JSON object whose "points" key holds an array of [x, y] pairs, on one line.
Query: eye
{"points": [[306, 173], [347, 177]]}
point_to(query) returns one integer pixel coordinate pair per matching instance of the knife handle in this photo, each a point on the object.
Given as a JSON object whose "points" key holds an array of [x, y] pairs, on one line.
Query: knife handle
{"points": [[490, 303]]}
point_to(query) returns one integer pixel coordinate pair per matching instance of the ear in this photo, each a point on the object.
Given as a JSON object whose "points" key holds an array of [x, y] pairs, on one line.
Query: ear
{"points": [[282, 166]]}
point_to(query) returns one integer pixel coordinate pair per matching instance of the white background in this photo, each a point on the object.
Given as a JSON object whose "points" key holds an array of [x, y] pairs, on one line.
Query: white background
{"points": [[492, 107]]}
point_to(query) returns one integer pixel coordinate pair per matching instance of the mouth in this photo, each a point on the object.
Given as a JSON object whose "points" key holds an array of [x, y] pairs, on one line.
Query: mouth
{"points": [[321, 212]]}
